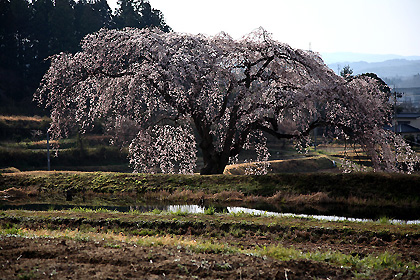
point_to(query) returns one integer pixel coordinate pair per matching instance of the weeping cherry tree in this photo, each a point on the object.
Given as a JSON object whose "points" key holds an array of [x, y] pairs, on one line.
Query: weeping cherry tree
{"points": [[167, 94]]}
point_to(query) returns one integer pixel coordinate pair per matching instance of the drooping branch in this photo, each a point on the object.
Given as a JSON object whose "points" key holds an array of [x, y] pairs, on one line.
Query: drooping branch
{"points": [[229, 90]]}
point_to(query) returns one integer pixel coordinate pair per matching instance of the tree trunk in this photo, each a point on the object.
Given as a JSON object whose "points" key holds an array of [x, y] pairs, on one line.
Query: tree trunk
{"points": [[212, 165], [214, 162]]}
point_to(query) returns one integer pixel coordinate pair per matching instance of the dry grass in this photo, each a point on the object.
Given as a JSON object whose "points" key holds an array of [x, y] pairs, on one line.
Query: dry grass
{"points": [[197, 196], [9, 170], [306, 164], [176, 195], [232, 196], [23, 118], [227, 196], [44, 142], [110, 236], [186, 195], [238, 196], [300, 199], [16, 193]]}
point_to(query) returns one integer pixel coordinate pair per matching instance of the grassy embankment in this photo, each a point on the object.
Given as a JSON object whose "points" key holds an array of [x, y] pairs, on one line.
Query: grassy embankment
{"points": [[366, 189]]}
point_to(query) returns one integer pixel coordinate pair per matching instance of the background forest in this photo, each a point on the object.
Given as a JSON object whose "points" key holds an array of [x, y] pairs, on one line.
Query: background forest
{"points": [[31, 31]]}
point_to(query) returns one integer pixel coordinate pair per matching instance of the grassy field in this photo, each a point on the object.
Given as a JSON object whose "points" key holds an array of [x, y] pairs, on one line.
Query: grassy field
{"points": [[23, 145], [80, 243], [93, 242]]}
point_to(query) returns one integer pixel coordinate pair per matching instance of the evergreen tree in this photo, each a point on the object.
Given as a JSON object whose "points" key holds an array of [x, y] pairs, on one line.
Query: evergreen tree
{"points": [[15, 48], [90, 17], [139, 14], [33, 30], [42, 36], [62, 27]]}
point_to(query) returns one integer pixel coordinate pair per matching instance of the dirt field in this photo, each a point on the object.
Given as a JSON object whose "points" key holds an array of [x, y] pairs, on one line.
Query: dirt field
{"points": [[62, 259], [66, 245], [87, 243]]}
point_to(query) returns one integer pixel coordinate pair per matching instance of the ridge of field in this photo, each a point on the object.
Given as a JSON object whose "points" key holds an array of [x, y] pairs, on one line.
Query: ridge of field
{"points": [[380, 189]]}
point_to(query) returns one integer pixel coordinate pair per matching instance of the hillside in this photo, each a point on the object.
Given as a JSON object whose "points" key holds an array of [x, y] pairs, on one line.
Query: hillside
{"points": [[340, 57], [402, 68]]}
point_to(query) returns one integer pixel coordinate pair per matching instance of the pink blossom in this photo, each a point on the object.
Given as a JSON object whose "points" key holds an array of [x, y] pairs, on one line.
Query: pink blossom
{"points": [[161, 93]]}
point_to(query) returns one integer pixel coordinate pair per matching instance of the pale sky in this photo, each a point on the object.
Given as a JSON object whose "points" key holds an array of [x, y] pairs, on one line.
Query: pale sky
{"points": [[359, 26]]}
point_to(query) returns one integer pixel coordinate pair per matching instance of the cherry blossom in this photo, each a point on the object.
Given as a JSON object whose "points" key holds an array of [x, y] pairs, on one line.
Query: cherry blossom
{"points": [[168, 95]]}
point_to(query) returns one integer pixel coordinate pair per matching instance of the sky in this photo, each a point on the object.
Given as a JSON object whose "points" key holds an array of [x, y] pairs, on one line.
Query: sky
{"points": [[325, 26]]}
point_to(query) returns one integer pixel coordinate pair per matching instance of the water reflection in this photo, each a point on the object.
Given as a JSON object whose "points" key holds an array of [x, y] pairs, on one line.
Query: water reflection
{"points": [[317, 217], [195, 209], [198, 209]]}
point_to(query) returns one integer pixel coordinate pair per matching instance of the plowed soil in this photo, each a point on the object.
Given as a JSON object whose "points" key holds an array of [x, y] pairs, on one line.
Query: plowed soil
{"points": [[63, 258], [90, 256]]}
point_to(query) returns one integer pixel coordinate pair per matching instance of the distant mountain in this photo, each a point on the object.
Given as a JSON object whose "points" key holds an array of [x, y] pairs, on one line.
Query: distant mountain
{"points": [[390, 68], [343, 57]]}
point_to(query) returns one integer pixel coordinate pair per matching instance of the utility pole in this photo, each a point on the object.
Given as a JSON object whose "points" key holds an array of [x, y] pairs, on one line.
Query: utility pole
{"points": [[316, 128], [48, 151], [396, 95]]}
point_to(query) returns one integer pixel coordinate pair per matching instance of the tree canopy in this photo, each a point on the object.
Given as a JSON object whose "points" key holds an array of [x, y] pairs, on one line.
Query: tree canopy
{"points": [[167, 94]]}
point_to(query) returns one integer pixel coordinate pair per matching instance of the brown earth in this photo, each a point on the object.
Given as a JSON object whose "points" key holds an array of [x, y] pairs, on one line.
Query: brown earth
{"points": [[45, 258], [66, 259], [58, 258]]}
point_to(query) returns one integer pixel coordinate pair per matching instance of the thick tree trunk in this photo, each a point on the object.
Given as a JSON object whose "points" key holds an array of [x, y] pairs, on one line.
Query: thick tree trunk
{"points": [[214, 163], [212, 168]]}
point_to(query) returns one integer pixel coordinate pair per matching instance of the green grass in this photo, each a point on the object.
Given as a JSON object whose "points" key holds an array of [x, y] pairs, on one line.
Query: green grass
{"points": [[224, 222], [156, 211], [209, 210], [384, 220], [179, 212], [245, 214], [10, 229], [158, 228], [360, 188], [361, 266], [23, 145], [90, 210], [385, 260]]}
